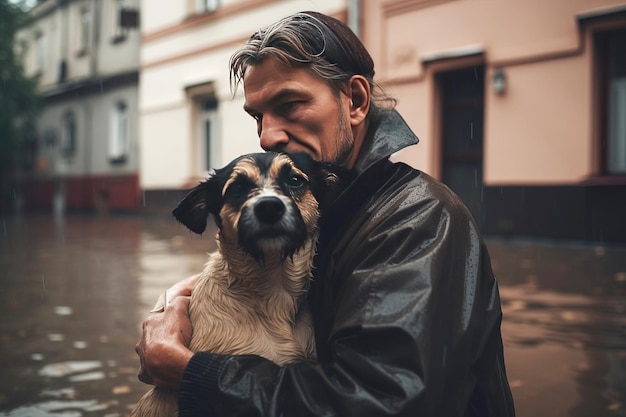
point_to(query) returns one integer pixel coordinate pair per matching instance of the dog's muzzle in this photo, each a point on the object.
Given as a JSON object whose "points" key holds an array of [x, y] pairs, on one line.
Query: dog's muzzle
{"points": [[269, 210], [270, 225]]}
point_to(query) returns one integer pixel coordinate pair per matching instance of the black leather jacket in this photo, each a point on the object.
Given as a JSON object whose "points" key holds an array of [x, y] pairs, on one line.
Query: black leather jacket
{"points": [[406, 310]]}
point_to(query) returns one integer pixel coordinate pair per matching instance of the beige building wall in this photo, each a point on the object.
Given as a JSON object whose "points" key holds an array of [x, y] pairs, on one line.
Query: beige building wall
{"points": [[541, 130], [184, 57], [60, 33]]}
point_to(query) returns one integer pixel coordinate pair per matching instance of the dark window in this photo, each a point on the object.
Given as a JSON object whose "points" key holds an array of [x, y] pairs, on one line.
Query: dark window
{"points": [[68, 138], [611, 68]]}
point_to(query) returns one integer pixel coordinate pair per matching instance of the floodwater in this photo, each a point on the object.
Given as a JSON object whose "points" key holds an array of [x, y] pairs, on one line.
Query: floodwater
{"points": [[73, 292]]}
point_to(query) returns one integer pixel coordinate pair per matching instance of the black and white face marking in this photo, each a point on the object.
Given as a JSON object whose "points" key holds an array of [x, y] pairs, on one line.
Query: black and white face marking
{"points": [[263, 202], [265, 199]]}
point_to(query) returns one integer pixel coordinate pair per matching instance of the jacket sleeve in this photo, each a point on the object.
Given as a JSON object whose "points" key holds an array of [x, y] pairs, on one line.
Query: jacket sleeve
{"points": [[412, 325]]}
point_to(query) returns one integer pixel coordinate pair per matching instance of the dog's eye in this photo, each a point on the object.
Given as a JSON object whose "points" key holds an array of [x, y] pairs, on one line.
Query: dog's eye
{"points": [[239, 188], [295, 181]]}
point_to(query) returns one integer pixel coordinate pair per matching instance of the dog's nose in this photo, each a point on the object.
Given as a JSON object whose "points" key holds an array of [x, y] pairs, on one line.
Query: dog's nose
{"points": [[269, 209]]}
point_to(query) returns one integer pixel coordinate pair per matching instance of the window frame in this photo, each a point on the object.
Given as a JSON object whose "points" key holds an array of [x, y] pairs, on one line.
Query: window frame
{"points": [[69, 134], [119, 138], [206, 6]]}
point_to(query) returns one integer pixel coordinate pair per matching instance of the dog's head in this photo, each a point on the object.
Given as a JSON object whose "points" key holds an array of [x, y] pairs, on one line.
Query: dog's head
{"points": [[266, 202]]}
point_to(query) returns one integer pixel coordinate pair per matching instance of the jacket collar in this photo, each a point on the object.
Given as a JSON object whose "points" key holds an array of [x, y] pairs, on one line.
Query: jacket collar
{"points": [[387, 134]]}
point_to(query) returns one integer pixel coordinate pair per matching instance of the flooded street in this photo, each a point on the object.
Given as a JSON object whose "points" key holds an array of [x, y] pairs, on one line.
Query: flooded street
{"points": [[73, 292]]}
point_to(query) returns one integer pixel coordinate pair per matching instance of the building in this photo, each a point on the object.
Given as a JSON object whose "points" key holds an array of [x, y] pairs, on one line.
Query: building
{"points": [[190, 121], [520, 107], [86, 54]]}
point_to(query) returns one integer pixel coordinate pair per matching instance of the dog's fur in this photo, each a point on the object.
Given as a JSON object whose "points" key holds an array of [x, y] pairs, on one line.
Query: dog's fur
{"points": [[250, 298]]}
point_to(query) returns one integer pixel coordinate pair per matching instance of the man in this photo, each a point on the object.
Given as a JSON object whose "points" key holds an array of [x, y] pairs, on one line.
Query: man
{"points": [[405, 306]]}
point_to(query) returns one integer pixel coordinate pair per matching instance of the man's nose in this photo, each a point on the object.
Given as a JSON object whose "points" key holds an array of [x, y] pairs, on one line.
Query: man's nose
{"points": [[272, 136]]}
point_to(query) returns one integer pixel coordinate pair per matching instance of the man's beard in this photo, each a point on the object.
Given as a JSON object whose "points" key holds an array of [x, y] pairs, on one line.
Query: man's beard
{"points": [[345, 141]]}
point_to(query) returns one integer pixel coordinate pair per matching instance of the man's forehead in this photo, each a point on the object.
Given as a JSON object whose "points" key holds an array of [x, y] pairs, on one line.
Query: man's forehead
{"points": [[260, 90]]}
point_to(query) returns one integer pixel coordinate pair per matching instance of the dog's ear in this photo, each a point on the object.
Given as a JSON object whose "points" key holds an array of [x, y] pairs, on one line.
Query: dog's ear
{"points": [[204, 199]]}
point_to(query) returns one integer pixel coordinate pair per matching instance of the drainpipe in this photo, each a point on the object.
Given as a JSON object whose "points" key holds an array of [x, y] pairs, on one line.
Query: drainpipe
{"points": [[95, 39]]}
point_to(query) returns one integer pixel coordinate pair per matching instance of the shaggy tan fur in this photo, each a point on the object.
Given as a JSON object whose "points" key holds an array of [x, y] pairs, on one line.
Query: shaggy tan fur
{"points": [[240, 306]]}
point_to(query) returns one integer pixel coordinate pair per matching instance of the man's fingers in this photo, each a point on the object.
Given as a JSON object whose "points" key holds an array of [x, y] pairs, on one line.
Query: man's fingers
{"points": [[183, 287], [180, 302], [143, 376], [161, 303]]}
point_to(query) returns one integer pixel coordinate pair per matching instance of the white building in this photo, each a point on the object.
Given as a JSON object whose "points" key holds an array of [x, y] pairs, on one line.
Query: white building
{"points": [[189, 119], [86, 53]]}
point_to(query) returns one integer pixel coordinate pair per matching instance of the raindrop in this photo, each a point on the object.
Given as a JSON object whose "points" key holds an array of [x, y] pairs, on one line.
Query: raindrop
{"points": [[63, 311], [64, 405], [56, 337], [37, 357], [616, 406], [68, 393], [517, 305], [61, 369], [121, 389], [89, 376], [80, 344]]}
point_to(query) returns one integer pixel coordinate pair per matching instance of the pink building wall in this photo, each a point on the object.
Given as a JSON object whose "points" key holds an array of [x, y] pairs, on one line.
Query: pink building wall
{"points": [[541, 130]]}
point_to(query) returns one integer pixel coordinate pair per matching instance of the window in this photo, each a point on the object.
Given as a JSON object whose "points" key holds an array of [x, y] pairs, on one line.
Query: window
{"points": [[120, 30], [612, 76], [40, 52], [85, 30], [68, 136], [119, 139], [204, 6], [207, 134]]}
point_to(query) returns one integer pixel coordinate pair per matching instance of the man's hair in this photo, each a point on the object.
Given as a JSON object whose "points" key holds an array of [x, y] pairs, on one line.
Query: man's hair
{"points": [[322, 44]]}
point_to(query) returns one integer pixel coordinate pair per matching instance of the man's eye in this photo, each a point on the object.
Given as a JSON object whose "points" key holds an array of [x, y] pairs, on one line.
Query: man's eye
{"points": [[288, 107], [295, 181]]}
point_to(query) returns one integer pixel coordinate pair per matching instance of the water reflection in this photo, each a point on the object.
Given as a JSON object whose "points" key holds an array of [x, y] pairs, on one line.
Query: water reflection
{"points": [[564, 328], [74, 290]]}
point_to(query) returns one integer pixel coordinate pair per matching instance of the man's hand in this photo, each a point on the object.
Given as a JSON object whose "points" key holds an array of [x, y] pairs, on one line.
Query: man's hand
{"points": [[163, 347]]}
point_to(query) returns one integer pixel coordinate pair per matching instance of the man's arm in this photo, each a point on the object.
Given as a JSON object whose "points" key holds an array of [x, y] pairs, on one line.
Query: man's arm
{"points": [[407, 336]]}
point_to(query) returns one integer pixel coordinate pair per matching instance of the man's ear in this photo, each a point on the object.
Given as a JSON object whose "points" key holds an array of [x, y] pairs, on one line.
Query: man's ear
{"points": [[204, 199], [360, 96]]}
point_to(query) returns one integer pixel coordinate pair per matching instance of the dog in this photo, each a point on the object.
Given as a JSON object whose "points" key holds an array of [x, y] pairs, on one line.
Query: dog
{"points": [[251, 296]]}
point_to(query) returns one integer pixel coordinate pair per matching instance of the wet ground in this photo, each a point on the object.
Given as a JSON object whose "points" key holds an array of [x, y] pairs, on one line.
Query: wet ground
{"points": [[73, 292]]}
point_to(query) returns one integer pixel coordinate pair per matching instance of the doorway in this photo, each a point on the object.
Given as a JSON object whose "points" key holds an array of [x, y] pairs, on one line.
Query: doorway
{"points": [[462, 100]]}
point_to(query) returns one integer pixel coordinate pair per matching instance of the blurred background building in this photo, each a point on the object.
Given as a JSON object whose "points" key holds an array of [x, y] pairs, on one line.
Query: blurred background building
{"points": [[520, 106], [86, 54], [189, 119]]}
